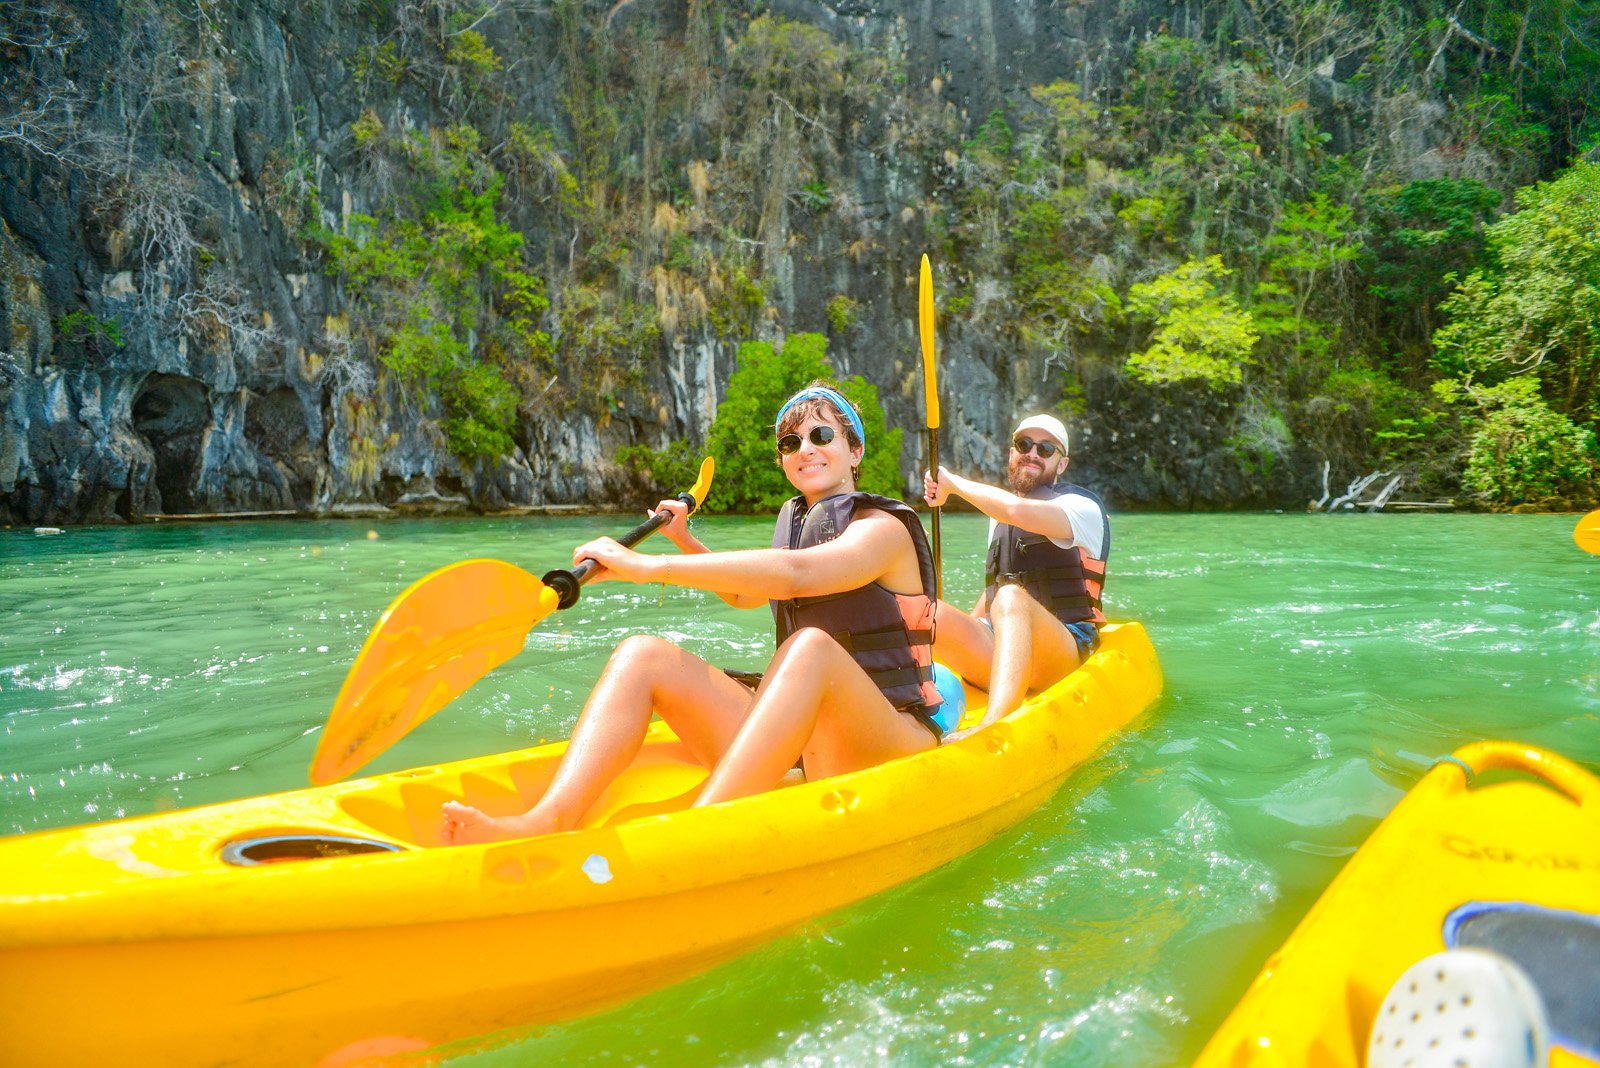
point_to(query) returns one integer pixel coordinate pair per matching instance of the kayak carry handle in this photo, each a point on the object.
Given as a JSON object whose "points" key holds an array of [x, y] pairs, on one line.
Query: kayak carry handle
{"points": [[1515, 756]]}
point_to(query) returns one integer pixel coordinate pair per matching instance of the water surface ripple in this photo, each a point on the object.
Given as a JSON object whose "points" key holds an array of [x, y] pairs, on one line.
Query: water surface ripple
{"points": [[1315, 666]]}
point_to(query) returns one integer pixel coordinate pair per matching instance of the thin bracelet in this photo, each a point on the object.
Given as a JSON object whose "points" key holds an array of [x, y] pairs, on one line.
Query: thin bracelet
{"points": [[663, 598]]}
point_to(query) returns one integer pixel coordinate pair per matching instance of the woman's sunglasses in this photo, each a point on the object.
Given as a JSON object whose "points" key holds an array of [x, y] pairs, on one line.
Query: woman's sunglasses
{"points": [[1046, 449], [790, 443]]}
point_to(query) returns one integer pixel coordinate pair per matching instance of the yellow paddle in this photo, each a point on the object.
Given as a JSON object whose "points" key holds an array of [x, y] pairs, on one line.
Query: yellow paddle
{"points": [[930, 391], [444, 633], [1587, 532]]}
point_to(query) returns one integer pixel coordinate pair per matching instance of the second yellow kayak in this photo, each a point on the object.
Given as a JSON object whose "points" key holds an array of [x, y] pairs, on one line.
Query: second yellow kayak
{"points": [[1462, 862]]}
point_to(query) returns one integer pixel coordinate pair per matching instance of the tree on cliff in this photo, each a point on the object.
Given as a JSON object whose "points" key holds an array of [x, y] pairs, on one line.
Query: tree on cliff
{"points": [[749, 478]]}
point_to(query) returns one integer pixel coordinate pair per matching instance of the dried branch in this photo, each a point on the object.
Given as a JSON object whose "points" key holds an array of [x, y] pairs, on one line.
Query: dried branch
{"points": [[35, 26]]}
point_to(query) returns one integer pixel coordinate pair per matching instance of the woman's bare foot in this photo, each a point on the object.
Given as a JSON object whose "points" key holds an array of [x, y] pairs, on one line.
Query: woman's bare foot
{"points": [[465, 825]]}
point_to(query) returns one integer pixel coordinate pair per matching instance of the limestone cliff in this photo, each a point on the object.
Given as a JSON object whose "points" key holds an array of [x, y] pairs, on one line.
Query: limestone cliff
{"points": [[177, 339]]}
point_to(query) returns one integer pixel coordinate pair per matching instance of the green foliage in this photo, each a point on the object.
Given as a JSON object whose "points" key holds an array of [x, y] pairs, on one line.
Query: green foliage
{"points": [[1311, 237], [1425, 233], [668, 471], [1523, 449], [792, 58], [605, 336], [1538, 307], [1202, 146], [1201, 332], [749, 478], [78, 327], [815, 195], [379, 63], [1400, 422], [1073, 117], [993, 140], [445, 291], [843, 312], [367, 130], [469, 50], [1056, 293]]}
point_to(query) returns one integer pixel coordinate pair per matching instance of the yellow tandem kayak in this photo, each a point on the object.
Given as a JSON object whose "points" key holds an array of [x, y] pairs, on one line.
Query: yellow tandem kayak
{"points": [[1510, 866], [320, 926]]}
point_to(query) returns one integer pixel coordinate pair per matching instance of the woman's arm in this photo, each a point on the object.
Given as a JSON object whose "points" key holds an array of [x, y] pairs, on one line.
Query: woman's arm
{"points": [[874, 547], [676, 531]]}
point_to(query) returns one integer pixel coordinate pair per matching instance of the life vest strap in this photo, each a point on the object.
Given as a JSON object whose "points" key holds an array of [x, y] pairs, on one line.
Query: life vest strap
{"points": [[902, 676], [874, 640]]}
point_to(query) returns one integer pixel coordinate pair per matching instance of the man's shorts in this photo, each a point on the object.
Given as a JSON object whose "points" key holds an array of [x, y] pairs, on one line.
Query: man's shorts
{"points": [[1086, 635]]}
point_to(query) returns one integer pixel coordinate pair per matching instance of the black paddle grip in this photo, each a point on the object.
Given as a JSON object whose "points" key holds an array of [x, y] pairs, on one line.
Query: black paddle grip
{"points": [[568, 583]]}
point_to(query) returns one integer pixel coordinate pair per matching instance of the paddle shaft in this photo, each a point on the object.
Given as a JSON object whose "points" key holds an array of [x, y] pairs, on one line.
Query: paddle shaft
{"points": [[567, 583]]}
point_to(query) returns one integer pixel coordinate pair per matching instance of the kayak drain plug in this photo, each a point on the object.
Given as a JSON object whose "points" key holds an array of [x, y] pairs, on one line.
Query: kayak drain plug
{"points": [[277, 848]]}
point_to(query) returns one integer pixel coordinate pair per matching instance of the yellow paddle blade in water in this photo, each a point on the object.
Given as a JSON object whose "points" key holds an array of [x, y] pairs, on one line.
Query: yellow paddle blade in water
{"points": [[1587, 532], [444, 633]]}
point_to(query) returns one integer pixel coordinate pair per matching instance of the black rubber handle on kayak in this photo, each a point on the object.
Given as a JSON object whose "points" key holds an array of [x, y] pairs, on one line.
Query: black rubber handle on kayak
{"points": [[567, 583]]}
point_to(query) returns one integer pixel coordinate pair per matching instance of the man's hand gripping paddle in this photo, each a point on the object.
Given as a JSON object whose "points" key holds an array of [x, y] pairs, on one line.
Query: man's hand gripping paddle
{"points": [[444, 633], [1587, 533], [930, 391]]}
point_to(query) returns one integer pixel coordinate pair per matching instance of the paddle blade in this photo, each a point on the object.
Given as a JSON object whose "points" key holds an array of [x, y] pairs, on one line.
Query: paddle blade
{"points": [[702, 485], [1587, 532], [445, 632], [925, 321]]}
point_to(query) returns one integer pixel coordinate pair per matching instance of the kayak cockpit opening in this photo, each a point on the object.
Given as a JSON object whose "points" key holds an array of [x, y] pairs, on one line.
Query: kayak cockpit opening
{"points": [[308, 845]]}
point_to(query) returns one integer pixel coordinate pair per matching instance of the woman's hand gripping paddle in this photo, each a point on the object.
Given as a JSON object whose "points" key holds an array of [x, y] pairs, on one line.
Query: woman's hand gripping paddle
{"points": [[1587, 533], [930, 391], [444, 633]]}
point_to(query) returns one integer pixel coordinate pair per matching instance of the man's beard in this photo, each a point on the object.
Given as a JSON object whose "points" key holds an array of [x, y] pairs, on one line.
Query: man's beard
{"points": [[1025, 478]]}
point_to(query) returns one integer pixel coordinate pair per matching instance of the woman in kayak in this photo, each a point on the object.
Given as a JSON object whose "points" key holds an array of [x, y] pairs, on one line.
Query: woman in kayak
{"points": [[851, 584]]}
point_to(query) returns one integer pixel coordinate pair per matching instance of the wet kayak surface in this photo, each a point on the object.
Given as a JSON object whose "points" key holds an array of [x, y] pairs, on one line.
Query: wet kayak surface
{"points": [[1315, 666]]}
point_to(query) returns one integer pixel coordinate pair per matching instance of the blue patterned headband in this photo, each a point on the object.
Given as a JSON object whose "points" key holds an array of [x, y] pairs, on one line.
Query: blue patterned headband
{"points": [[833, 397]]}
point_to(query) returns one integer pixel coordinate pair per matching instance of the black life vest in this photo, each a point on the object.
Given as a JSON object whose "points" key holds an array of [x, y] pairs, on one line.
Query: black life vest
{"points": [[889, 634], [1065, 581]]}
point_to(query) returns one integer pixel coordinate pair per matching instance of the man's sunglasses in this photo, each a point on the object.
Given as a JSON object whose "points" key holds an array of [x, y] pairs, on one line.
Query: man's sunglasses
{"points": [[790, 443], [1046, 449]]}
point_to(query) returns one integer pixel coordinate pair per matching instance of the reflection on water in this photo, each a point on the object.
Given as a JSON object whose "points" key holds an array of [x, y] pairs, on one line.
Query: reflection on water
{"points": [[1315, 667]]}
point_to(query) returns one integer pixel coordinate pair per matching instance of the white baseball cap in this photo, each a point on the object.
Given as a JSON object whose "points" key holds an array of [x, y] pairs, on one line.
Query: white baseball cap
{"points": [[1049, 424]]}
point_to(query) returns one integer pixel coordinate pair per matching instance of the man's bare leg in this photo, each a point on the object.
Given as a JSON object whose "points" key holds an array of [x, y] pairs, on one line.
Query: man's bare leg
{"points": [[815, 699], [703, 706], [1032, 650]]}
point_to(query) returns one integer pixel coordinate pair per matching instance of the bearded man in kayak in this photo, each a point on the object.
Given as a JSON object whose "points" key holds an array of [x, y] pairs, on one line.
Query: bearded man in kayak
{"points": [[851, 583], [1039, 614]]}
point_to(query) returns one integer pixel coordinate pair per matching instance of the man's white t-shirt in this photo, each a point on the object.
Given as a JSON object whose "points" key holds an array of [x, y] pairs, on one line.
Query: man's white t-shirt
{"points": [[1088, 525]]}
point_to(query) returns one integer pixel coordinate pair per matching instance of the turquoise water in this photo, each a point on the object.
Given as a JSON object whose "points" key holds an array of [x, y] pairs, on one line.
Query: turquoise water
{"points": [[1315, 666]]}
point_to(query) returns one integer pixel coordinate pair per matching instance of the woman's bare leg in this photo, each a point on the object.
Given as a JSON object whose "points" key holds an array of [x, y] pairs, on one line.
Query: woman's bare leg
{"points": [[816, 700], [702, 705]]}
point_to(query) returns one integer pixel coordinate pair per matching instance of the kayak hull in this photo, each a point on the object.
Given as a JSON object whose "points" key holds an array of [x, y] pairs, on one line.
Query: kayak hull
{"points": [[324, 961], [1533, 839]]}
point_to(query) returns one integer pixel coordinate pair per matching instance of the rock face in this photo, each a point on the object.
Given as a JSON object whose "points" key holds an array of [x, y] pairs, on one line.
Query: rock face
{"points": [[223, 382]]}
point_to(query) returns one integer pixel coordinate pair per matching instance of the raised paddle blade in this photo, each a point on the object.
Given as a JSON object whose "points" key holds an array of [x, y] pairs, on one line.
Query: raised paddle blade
{"points": [[925, 320], [444, 633], [702, 485], [1587, 532], [930, 392]]}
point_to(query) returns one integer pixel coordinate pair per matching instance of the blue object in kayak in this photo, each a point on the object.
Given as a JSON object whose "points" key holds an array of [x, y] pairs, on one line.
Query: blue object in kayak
{"points": [[948, 683]]}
